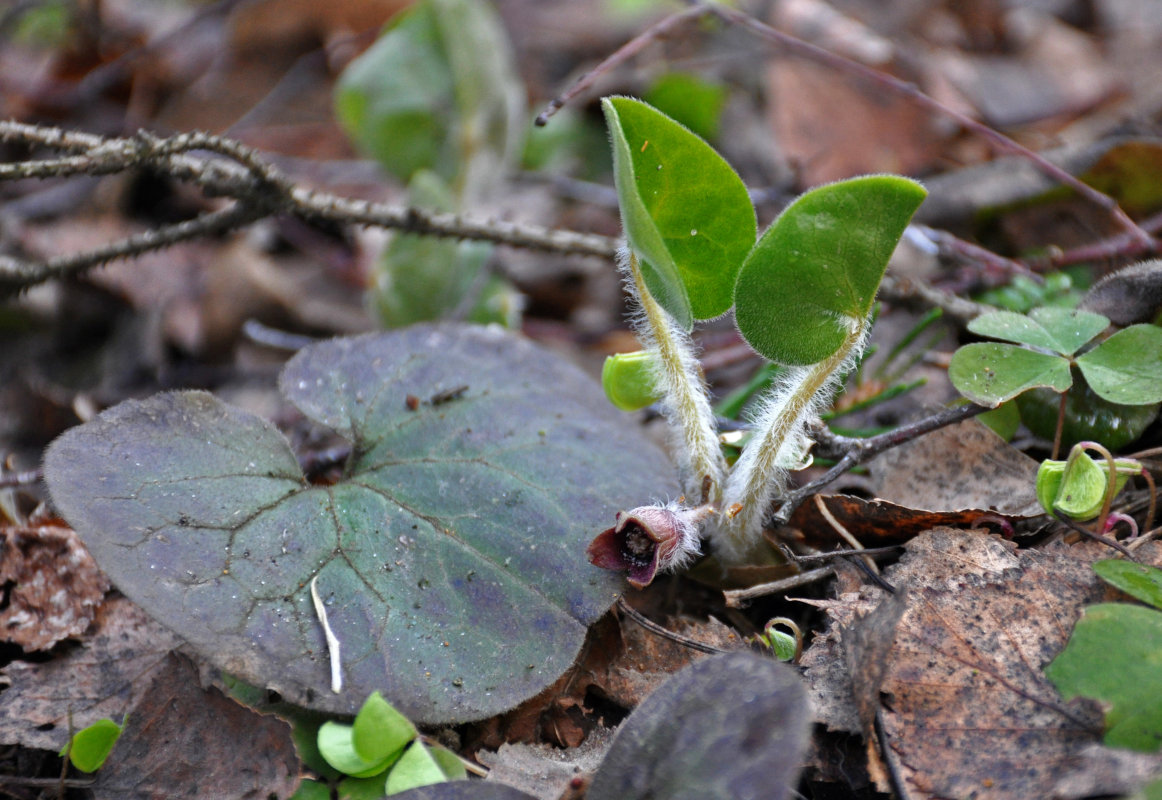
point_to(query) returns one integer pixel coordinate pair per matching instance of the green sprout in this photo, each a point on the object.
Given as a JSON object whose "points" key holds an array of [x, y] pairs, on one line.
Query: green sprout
{"points": [[383, 748], [802, 296], [88, 748]]}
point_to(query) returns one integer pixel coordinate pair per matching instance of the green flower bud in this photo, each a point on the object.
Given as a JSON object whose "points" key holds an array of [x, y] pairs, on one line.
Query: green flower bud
{"points": [[628, 380]]}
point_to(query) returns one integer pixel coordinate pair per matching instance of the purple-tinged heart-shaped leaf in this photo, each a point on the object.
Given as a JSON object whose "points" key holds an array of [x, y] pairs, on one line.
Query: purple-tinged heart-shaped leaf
{"points": [[450, 558]]}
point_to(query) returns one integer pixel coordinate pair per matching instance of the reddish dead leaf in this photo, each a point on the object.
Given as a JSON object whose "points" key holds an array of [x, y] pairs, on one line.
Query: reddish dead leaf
{"points": [[185, 741], [50, 586], [103, 677], [876, 523], [954, 675], [960, 476]]}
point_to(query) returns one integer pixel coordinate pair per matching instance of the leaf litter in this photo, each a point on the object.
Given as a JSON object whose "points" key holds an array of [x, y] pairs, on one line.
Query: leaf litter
{"points": [[946, 675]]}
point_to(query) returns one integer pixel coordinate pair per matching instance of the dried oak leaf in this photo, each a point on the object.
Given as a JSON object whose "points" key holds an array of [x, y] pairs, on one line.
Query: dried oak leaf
{"points": [[964, 708], [103, 677], [185, 741], [50, 587]]}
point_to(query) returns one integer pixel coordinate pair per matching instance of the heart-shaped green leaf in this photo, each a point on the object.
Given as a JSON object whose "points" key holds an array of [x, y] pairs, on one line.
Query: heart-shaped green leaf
{"points": [[814, 273], [1062, 330], [989, 373], [337, 746], [379, 731], [416, 767], [1074, 488], [687, 215], [450, 559], [1113, 656], [90, 746], [675, 744], [1127, 367], [1140, 581]]}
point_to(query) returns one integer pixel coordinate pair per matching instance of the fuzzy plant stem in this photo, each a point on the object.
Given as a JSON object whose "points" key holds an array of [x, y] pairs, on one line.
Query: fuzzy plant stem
{"points": [[780, 438], [685, 400]]}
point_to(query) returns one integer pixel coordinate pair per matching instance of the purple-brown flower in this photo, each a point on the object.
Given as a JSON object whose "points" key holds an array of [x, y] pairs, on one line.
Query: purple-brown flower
{"points": [[649, 539]]}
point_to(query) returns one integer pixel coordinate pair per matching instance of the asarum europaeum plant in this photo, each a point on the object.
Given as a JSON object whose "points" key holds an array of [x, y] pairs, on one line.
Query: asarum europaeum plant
{"points": [[802, 297]]}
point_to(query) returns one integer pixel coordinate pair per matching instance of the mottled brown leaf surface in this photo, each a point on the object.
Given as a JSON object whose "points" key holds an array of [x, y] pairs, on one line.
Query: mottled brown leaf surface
{"points": [[185, 741], [986, 473], [103, 677], [964, 709], [50, 586]]}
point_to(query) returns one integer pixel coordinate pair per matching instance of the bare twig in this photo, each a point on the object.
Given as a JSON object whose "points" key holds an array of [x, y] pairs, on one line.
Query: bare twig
{"points": [[619, 56], [894, 85], [666, 633], [855, 451], [738, 598], [259, 189]]}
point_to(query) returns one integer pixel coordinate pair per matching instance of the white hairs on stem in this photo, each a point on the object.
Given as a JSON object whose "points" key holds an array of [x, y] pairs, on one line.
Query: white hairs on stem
{"points": [[678, 378], [779, 442]]}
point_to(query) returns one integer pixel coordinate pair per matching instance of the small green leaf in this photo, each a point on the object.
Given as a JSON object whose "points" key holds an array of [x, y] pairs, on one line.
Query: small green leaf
{"points": [[1115, 656], [686, 214], [783, 644], [1127, 367], [337, 746], [989, 373], [1061, 330], [628, 380], [424, 278], [1075, 488], [815, 271], [90, 746], [312, 790], [380, 732], [1003, 420], [1140, 581], [450, 763], [416, 767]]}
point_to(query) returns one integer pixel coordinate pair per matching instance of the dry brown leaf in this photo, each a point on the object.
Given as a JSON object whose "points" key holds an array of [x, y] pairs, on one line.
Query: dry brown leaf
{"points": [[50, 586], [952, 668], [542, 771], [962, 466], [104, 677], [185, 741]]}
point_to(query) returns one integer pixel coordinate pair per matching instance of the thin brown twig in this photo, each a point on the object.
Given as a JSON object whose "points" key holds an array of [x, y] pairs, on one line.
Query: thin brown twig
{"points": [[909, 90], [855, 451], [25, 478], [619, 56], [235, 171], [666, 633]]}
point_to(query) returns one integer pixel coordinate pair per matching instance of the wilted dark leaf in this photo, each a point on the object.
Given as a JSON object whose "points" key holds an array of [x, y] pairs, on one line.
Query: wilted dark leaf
{"points": [[732, 725], [450, 560]]}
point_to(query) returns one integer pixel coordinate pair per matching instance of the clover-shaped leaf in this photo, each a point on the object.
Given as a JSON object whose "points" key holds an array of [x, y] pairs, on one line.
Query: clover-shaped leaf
{"points": [[989, 373], [687, 215], [450, 558], [1061, 330], [1125, 369], [816, 269]]}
